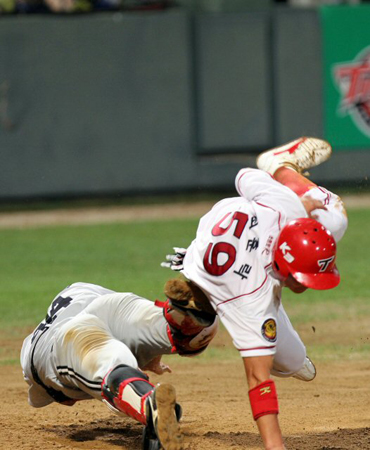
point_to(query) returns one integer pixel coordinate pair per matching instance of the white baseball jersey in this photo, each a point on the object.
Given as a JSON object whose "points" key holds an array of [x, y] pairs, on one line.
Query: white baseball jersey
{"points": [[231, 261], [88, 331]]}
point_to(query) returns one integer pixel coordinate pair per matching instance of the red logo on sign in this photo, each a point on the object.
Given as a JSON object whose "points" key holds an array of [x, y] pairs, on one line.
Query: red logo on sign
{"points": [[353, 80]]}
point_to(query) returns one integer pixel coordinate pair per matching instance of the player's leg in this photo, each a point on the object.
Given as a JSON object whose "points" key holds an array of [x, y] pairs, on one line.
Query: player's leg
{"points": [[294, 180], [300, 155], [286, 164], [88, 357], [290, 358], [84, 351], [127, 390]]}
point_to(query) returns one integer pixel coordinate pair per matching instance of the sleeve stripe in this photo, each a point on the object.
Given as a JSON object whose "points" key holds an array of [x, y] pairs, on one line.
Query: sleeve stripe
{"points": [[256, 348]]}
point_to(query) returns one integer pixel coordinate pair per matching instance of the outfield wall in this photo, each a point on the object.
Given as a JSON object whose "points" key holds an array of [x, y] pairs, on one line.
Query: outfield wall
{"points": [[172, 100]]}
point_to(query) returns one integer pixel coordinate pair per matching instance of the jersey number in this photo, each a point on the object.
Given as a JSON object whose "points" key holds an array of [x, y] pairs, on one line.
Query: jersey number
{"points": [[210, 260], [58, 304]]}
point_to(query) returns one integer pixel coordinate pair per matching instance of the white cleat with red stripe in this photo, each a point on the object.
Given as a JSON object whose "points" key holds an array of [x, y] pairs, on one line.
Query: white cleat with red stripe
{"points": [[300, 155]]}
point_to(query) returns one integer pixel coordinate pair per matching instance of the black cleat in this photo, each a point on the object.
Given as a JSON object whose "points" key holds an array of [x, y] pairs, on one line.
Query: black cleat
{"points": [[162, 415]]}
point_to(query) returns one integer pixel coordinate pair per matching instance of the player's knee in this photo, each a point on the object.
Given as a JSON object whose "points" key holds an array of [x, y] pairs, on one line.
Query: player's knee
{"points": [[289, 366], [288, 363], [297, 364], [118, 354]]}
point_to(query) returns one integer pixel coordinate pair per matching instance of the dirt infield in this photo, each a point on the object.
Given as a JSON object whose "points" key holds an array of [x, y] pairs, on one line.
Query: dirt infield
{"points": [[332, 412]]}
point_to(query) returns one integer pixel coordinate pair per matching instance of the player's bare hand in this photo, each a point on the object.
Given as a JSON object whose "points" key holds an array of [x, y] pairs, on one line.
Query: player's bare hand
{"points": [[157, 366], [161, 368], [311, 204]]}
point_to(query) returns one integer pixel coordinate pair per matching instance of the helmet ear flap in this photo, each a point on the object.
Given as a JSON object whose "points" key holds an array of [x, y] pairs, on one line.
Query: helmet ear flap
{"points": [[276, 267]]}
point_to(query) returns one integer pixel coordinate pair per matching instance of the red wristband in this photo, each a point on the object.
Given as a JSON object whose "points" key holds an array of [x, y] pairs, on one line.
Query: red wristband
{"points": [[263, 399]]}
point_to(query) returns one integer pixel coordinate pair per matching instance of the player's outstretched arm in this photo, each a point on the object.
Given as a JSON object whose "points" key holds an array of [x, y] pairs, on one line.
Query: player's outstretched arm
{"points": [[263, 400]]}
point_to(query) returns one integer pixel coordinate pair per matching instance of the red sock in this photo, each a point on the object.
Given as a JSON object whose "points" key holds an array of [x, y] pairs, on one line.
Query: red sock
{"points": [[293, 180]]}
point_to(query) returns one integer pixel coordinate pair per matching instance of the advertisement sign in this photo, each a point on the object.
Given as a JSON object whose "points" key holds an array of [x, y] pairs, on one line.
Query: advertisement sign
{"points": [[346, 51]]}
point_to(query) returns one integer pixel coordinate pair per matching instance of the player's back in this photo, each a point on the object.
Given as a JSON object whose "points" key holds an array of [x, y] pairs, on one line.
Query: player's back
{"points": [[68, 303], [231, 254]]}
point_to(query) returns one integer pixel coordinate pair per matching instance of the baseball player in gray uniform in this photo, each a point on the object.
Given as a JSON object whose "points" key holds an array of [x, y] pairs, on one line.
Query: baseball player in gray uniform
{"points": [[97, 343], [280, 232]]}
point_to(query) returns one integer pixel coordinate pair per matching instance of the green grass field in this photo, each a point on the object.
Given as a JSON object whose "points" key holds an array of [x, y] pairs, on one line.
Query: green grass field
{"points": [[36, 264]]}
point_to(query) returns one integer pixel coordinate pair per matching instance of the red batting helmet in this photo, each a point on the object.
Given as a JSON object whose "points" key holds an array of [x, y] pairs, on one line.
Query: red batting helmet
{"points": [[307, 250]]}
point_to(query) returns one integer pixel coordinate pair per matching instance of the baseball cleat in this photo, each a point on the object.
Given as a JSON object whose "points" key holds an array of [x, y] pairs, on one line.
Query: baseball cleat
{"points": [[300, 155], [162, 430], [308, 371]]}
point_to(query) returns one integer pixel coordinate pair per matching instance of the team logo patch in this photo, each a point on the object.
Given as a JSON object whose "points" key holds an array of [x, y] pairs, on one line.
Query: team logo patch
{"points": [[269, 330], [352, 79]]}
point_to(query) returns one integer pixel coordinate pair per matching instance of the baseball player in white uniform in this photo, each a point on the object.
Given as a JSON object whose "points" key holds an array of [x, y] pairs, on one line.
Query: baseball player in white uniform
{"points": [[248, 248], [97, 343]]}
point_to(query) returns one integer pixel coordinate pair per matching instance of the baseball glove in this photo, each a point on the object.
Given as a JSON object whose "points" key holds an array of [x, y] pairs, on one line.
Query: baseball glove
{"points": [[185, 296]]}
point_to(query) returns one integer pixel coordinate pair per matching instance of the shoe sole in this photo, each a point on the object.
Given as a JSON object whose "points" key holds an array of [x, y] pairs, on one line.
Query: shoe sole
{"points": [[318, 151], [168, 429]]}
